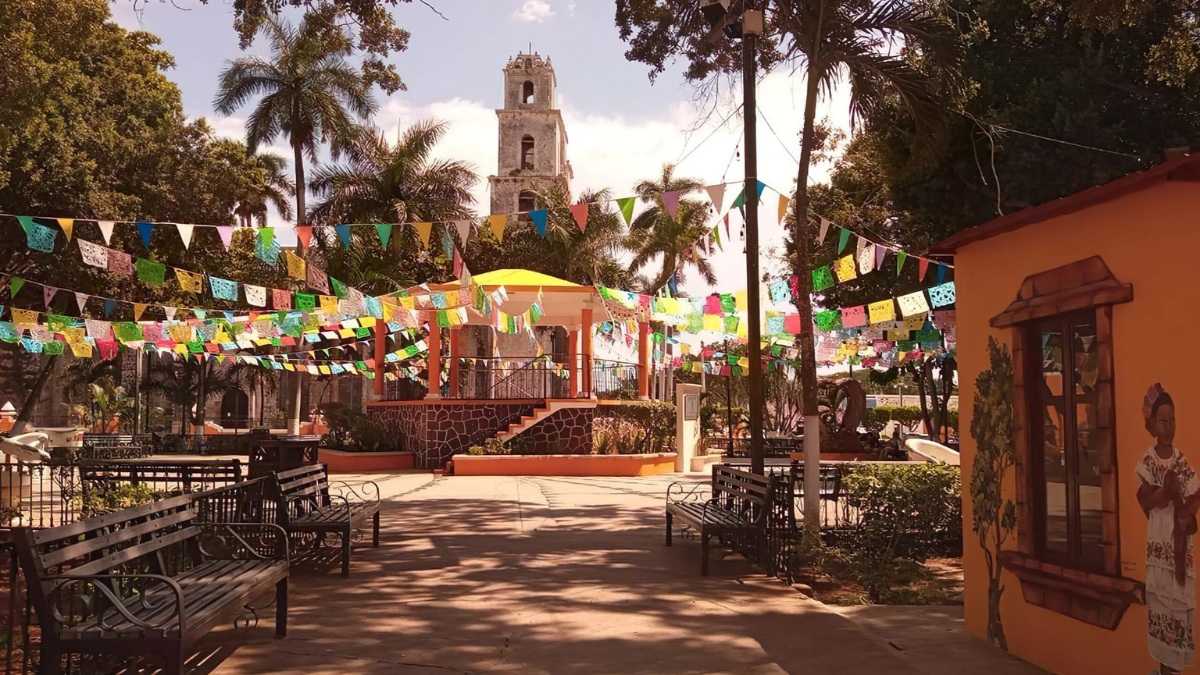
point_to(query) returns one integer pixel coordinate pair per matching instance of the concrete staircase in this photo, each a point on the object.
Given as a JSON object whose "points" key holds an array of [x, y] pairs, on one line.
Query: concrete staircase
{"points": [[540, 413]]}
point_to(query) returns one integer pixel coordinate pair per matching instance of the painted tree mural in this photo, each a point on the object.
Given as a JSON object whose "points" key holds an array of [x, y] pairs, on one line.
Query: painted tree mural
{"points": [[993, 517]]}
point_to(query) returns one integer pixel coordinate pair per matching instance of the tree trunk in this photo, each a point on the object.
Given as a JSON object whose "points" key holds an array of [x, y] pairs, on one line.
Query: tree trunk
{"points": [[293, 392], [31, 399], [808, 353], [201, 395]]}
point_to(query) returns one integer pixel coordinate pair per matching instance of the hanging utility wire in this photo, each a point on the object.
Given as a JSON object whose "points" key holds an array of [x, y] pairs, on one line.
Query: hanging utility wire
{"points": [[710, 134], [781, 143]]}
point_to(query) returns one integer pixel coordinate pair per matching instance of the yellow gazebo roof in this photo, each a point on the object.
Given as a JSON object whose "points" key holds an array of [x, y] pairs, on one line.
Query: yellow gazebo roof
{"points": [[521, 278]]}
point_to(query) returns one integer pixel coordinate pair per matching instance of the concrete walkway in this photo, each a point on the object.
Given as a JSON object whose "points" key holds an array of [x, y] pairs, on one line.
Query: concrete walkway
{"points": [[556, 576]]}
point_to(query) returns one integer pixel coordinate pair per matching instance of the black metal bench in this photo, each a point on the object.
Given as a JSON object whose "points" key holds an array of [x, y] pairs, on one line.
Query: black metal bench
{"points": [[307, 503], [150, 580], [735, 505]]}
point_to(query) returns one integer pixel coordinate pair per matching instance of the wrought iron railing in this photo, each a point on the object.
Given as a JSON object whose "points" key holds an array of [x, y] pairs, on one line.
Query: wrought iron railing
{"points": [[532, 378], [614, 380]]}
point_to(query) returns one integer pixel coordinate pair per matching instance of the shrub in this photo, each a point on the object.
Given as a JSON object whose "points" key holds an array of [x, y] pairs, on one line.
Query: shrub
{"points": [[908, 415], [906, 514], [351, 429], [491, 446], [636, 427]]}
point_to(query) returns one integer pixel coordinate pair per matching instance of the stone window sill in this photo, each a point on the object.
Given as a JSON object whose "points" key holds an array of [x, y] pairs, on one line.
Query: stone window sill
{"points": [[1096, 599]]}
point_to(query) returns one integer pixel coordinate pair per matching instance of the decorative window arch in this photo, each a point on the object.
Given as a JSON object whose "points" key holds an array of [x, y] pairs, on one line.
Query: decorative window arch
{"points": [[235, 409], [527, 152], [527, 92]]}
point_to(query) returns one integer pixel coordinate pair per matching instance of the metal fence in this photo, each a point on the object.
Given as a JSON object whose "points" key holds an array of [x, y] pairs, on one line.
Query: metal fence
{"points": [[615, 380]]}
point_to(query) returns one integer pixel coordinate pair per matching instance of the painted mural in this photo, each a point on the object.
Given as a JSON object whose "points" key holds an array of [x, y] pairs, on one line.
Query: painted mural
{"points": [[1169, 494], [993, 518]]}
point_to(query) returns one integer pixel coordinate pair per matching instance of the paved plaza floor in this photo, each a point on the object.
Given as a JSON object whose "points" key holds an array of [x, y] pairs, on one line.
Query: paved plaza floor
{"points": [[567, 576]]}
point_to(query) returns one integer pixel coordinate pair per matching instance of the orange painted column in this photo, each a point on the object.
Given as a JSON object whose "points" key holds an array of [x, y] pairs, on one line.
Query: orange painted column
{"points": [[454, 347], [380, 351], [434, 340], [643, 360], [573, 362], [585, 337]]}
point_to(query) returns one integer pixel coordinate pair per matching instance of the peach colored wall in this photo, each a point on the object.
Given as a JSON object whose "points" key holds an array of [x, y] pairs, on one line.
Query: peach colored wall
{"points": [[564, 465], [358, 462], [1147, 239]]}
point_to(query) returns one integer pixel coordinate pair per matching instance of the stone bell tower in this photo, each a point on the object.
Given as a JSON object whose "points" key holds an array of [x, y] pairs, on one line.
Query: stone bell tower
{"points": [[533, 140]]}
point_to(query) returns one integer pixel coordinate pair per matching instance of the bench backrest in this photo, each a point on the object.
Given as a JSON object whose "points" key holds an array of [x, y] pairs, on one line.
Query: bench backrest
{"points": [[736, 485], [310, 482], [150, 538]]}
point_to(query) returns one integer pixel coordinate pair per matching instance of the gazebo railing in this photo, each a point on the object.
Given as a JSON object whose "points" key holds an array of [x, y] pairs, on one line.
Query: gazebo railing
{"points": [[520, 378], [615, 380]]}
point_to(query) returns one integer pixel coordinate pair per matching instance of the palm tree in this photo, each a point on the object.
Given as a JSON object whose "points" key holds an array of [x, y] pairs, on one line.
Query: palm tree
{"points": [[384, 182], [310, 93], [655, 233], [859, 42], [271, 186]]}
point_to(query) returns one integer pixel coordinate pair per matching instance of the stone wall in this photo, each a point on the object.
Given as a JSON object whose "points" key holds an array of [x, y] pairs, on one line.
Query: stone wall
{"points": [[566, 432]]}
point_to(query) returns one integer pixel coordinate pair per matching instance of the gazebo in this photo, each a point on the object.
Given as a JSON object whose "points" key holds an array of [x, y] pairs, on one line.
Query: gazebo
{"points": [[549, 396]]}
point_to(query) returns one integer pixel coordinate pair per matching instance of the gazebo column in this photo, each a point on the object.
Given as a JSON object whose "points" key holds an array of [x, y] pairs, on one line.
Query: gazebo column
{"points": [[643, 360], [573, 362], [454, 348], [585, 338], [434, 341], [380, 351]]}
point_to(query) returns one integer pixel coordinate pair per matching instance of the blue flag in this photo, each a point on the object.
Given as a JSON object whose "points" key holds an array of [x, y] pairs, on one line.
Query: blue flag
{"points": [[144, 230], [343, 233], [539, 219]]}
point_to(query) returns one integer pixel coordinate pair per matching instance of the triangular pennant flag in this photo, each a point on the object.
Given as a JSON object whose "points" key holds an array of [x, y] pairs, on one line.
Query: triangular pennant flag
{"points": [[625, 205], [941, 274], [226, 232], [739, 200], [67, 225], [423, 230], [922, 268], [185, 233], [266, 235], [580, 212], [109, 306], [170, 312], [716, 193], [144, 228], [304, 234], [464, 230], [539, 220], [901, 256], [14, 286], [783, 208], [843, 239], [48, 294], [106, 229], [761, 186], [670, 200], [385, 233], [81, 300], [497, 224], [880, 256], [26, 223], [138, 308], [343, 233], [824, 230]]}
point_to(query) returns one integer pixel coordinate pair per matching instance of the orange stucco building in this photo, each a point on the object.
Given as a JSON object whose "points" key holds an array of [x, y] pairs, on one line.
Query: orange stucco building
{"points": [[1091, 295]]}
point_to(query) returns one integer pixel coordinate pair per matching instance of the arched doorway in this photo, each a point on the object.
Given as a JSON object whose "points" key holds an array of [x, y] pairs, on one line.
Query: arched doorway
{"points": [[235, 410]]}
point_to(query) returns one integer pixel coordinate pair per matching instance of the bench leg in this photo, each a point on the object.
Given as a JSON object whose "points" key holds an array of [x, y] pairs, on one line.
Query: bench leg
{"points": [[281, 608], [346, 553], [703, 555], [174, 659], [375, 530], [669, 521]]}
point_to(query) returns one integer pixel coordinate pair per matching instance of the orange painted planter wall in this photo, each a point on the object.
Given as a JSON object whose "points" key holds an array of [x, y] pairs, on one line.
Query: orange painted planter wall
{"points": [[360, 462], [564, 465], [1147, 239]]}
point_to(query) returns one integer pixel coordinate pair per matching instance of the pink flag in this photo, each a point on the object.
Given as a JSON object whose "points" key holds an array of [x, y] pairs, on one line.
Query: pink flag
{"points": [[671, 201], [853, 317], [226, 232], [880, 254], [48, 294], [580, 212]]}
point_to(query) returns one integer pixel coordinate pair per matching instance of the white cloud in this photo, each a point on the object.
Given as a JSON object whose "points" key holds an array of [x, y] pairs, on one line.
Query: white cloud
{"points": [[533, 11]]}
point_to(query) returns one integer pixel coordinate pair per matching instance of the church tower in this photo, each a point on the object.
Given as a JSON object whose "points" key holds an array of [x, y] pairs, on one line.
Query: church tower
{"points": [[533, 140]]}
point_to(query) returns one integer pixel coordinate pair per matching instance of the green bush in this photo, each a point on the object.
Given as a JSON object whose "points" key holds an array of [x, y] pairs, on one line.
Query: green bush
{"points": [[907, 513], [491, 446], [654, 421], [876, 418], [350, 429]]}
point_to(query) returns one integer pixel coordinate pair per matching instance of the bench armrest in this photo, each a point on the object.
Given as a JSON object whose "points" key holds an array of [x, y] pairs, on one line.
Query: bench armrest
{"points": [[367, 491], [681, 492], [235, 546], [104, 584]]}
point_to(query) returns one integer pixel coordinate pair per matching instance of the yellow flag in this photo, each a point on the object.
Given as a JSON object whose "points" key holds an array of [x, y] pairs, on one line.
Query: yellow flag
{"points": [[329, 303], [297, 268], [844, 268], [498, 223], [884, 310], [24, 318], [138, 309], [192, 283], [783, 207], [424, 229], [67, 225]]}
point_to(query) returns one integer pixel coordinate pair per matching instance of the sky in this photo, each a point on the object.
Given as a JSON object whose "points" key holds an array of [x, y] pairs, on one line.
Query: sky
{"points": [[622, 127]]}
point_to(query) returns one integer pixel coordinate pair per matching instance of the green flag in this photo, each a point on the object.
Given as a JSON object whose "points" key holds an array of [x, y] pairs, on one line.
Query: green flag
{"points": [[385, 233], [626, 206], [843, 239], [266, 235], [151, 272], [901, 256], [339, 289], [741, 199], [15, 286], [26, 223]]}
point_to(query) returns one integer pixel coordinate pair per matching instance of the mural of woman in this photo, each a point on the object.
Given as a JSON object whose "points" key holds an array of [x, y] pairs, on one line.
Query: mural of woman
{"points": [[1169, 495]]}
